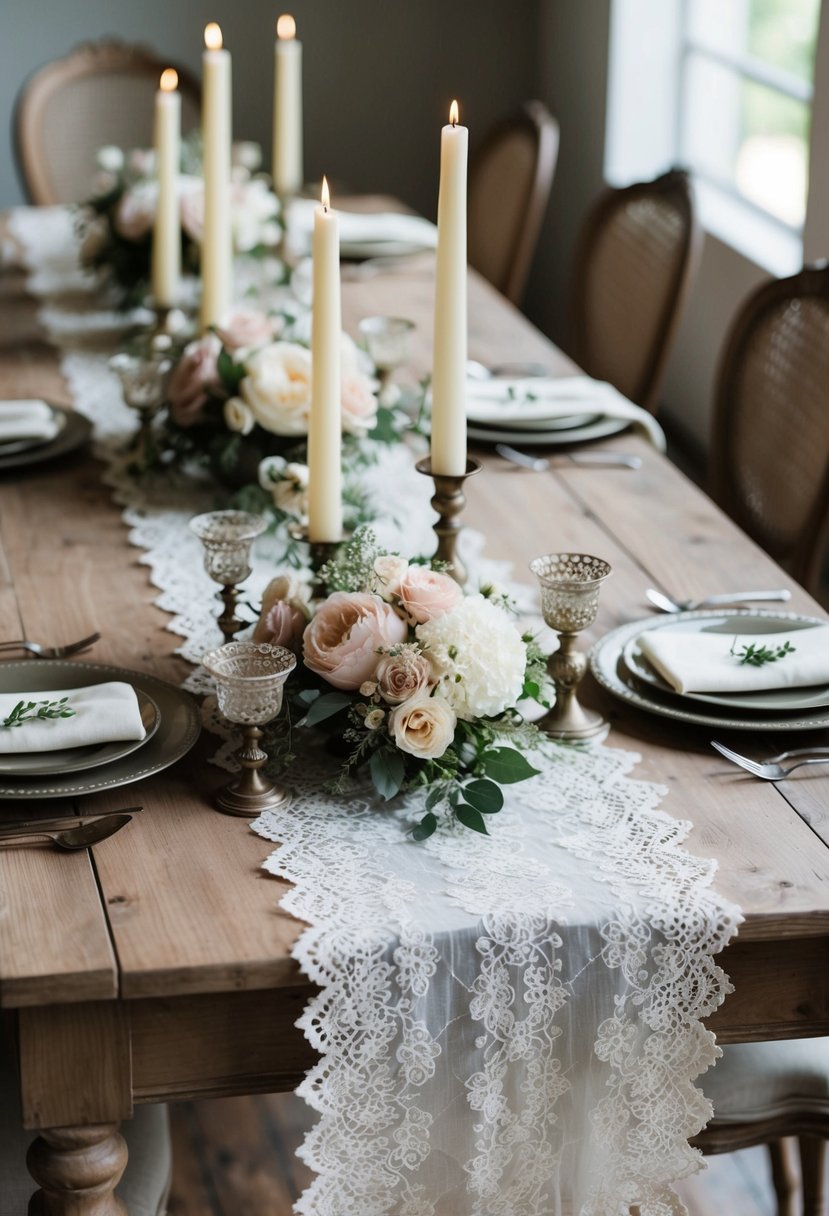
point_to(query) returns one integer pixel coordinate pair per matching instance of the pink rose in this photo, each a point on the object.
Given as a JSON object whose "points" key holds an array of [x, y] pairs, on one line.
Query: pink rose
{"points": [[426, 593], [135, 213], [245, 327], [359, 404], [401, 675], [195, 372], [342, 641], [284, 613]]}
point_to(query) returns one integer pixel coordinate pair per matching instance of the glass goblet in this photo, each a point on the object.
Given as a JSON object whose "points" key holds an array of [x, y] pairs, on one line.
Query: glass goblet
{"points": [[227, 537], [143, 380], [570, 586], [250, 678], [387, 343]]}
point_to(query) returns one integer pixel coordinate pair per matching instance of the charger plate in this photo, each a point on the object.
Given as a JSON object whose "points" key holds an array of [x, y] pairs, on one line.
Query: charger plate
{"points": [[607, 663], [75, 432], [178, 729], [76, 759]]}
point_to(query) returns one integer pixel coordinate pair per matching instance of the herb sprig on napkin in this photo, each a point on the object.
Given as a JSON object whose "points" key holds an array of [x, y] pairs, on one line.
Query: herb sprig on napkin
{"points": [[29, 711], [758, 656]]}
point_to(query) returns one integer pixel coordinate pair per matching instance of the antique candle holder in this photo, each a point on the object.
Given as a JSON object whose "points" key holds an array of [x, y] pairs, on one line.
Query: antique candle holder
{"points": [[250, 678], [449, 501], [387, 341], [143, 380], [321, 551], [227, 537], [570, 586]]}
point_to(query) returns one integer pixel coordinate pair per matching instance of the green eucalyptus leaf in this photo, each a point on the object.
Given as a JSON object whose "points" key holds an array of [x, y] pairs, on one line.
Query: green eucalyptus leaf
{"points": [[326, 706], [387, 772], [424, 829], [485, 796], [506, 766], [436, 795], [470, 818]]}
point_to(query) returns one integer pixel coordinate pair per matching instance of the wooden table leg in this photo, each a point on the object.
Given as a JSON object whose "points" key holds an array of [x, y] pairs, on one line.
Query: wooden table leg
{"points": [[78, 1169]]}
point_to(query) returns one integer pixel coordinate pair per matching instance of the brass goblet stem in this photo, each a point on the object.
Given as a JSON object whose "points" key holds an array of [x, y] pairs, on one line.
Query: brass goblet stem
{"points": [[251, 792], [568, 719], [229, 623], [449, 501]]}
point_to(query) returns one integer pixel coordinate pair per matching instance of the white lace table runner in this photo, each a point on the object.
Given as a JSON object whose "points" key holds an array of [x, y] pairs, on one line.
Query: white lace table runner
{"points": [[508, 1025]]}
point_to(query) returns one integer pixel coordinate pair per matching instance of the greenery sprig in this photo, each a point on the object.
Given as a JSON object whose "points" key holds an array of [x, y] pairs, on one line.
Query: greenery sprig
{"points": [[44, 711], [757, 656]]}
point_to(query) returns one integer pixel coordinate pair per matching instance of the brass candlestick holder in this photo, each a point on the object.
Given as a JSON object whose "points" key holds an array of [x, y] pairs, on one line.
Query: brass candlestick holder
{"points": [[449, 501], [227, 537], [570, 586], [250, 678], [321, 551]]}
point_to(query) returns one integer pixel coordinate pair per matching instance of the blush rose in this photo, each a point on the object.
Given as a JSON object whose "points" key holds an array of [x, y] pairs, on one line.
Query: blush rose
{"points": [[343, 639]]}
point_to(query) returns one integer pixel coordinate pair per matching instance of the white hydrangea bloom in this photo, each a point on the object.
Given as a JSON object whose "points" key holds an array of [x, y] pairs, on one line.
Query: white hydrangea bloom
{"points": [[478, 657]]}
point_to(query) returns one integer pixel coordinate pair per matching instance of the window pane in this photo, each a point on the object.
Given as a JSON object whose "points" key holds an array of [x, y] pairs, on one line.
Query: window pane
{"points": [[746, 136], [784, 33]]}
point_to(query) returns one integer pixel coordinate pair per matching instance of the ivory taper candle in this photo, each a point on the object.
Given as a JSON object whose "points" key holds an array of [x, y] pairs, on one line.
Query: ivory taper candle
{"points": [[287, 109], [166, 261], [217, 238], [449, 359], [325, 508]]}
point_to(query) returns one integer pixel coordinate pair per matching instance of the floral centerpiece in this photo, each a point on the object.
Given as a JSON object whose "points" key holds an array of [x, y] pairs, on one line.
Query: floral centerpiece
{"points": [[116, 222], [411, 679]]}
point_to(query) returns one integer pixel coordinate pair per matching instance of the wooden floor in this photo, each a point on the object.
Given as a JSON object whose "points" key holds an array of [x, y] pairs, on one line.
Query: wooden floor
{"points": [[237, 1157]]}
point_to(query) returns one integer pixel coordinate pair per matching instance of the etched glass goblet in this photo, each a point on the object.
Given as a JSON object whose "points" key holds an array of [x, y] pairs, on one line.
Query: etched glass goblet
{"points": [[570, 586], [143, 380], [250, 677], [387, 343], [227, 537]]}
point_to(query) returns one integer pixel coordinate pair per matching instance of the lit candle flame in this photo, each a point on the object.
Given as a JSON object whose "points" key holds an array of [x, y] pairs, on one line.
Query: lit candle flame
{"points": [[212, 36], [453, 114], [286, 27], [326, 194], [169, 80]]}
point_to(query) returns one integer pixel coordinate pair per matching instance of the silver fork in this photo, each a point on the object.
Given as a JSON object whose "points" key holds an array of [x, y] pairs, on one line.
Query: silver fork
{"points": [[52, 652], [772, 770], [540, 464]]}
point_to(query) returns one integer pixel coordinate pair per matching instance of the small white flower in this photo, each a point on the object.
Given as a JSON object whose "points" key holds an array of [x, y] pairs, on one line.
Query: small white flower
{"points": [[110, 158], [386, 574], [374, 719], [389, 396], [238, 417], [247, 154], [368, 688]]}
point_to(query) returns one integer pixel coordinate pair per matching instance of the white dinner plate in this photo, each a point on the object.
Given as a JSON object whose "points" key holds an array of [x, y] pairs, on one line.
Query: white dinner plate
{"points": [[608, 665], [566, 422], [360, 251], [581, 434]]}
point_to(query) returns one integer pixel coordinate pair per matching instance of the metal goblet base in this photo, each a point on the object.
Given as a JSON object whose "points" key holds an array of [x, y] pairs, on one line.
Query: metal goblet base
{"points": [[238, 798], [573, 723]]}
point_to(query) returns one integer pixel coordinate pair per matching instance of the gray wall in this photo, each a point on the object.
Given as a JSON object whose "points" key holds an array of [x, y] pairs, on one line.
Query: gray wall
{"points": [[379, 74]]}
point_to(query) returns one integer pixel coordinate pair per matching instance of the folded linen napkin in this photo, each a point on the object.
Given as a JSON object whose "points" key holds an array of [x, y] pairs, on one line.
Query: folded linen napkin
{"points": [[21, 420], [540, 398], [104, 713], [702, 662], [369, 227]]}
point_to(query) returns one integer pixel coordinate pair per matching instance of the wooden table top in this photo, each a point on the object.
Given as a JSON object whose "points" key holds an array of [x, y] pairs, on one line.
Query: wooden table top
{"points": [[177, 904]]}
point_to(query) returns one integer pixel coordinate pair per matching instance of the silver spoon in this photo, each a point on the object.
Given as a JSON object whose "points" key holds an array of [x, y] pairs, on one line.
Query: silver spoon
{"points": [[76, 838], [665, 604], [540, 464]]}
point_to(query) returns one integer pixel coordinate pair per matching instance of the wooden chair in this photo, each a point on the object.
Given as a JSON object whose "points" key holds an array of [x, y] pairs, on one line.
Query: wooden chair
{"points": [[100, 93], [635, 261], [770, 440], [509, 185], [762, 1094]]}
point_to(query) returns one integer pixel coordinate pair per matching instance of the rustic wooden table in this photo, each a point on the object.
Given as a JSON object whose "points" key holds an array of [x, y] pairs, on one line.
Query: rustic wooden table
{"points": [[158, 966]]}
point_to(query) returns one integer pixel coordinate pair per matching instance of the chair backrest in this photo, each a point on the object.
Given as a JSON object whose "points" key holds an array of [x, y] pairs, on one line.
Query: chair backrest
{"points": [[635, 261], [509, 185], [770, 440], [100, 93]]}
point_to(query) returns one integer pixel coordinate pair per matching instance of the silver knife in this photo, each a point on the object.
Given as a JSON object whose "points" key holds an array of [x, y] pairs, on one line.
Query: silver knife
{"points": [[57, 825], [540, 464]]}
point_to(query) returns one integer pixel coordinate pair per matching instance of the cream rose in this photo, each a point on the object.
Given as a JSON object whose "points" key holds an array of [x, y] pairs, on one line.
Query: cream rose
{"points": [[245, 327], [402, 675], [238, 417], [426, 593], [359, 404], [423, 726], [343, 639], [284, 613], [386, 574], [135, 212], [277, 388]]}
